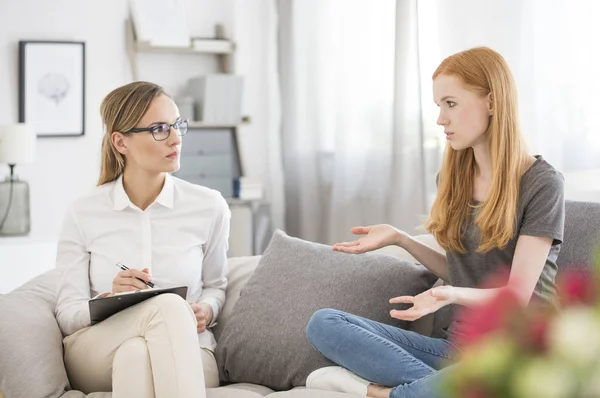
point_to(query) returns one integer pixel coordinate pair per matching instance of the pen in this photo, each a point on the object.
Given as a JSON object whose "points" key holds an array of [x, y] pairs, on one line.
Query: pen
{"points": [[125, 268]]}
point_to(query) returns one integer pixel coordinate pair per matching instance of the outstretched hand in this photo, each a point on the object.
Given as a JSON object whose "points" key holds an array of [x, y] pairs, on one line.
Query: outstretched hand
{"points": [[423, 304], [374, 237]]}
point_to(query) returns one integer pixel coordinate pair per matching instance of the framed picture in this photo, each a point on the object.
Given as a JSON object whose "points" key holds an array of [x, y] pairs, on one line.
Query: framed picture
{"points": [[52, 87]]}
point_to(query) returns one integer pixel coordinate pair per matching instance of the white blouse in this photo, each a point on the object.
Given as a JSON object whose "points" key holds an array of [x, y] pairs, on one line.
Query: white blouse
{"points": [[182, 238]]}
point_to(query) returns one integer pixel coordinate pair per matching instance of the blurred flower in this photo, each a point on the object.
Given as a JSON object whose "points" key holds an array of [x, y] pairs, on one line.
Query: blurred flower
{"points": [[515, 352], [577, 285], [574, 336], [488, 359], [543, 378], [479, 322], [592, 389]]}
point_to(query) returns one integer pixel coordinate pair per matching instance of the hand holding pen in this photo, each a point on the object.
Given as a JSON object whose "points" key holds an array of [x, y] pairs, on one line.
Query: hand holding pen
{"points": [[131, 279]]}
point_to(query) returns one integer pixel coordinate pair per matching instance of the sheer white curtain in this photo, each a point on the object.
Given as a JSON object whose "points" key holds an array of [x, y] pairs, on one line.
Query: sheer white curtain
{"points": [[416, 149], [337, 81], [552, 48]]}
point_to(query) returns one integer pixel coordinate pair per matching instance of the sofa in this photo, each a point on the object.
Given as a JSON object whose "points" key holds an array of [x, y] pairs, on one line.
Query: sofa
{"points": [[31, 362]]}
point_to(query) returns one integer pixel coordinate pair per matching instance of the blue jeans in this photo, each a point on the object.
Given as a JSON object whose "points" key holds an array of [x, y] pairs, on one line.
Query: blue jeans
{"points": [[383, 354]]}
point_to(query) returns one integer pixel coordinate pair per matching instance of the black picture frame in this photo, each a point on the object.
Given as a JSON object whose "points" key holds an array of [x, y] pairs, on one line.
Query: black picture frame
{"points": [[52, 87]]}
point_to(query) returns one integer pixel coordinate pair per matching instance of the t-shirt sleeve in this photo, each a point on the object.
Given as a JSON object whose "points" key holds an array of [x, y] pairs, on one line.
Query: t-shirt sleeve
{"points": [[545, 212]]}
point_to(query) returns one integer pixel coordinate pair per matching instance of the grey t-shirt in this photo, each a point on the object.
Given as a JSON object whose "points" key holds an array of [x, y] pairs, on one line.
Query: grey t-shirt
{"points": [[540, 212]]}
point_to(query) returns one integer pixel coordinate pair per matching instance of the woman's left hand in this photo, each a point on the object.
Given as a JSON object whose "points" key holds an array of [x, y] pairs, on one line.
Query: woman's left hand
{"points": [[204, 315], [425, 303]]}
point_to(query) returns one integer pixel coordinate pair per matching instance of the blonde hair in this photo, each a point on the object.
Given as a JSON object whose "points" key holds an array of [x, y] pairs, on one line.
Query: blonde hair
{"points": [[483, 71], [121, 110]]}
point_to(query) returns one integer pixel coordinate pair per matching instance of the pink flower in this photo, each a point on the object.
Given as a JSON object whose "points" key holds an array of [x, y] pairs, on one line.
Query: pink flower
{"points": [[476, 392], [492, 316], [535, 338], [577, 286]]}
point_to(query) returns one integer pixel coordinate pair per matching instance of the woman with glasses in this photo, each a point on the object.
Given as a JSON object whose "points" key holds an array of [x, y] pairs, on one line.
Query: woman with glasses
{"points": [[167, 232]]}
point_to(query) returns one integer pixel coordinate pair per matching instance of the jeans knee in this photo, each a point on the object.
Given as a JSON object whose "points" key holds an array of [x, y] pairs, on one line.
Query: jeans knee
{"points": [[321, 324]]}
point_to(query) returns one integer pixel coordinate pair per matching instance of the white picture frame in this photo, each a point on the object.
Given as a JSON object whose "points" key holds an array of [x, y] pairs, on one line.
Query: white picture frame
{"points": [[52, 87]]}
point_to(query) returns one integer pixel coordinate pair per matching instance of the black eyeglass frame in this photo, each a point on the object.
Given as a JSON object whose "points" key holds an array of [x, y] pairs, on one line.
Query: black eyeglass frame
{"points": [[175, 126]]}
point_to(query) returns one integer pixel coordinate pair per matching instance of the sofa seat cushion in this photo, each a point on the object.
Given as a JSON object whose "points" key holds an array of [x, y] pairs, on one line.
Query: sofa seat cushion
{"points": [[302, 392], [242, 390], [264, 342]]}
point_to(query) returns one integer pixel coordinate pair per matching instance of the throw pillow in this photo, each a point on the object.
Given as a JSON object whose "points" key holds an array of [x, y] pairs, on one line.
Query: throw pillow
{"points": [[31, 361], [264, 340]]}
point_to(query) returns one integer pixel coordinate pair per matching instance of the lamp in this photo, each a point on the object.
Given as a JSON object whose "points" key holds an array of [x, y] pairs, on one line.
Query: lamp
{"points": [[17, 146]]}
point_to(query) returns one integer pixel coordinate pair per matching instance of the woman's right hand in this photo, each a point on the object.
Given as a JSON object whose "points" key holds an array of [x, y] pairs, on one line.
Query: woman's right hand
{"points": [[375, 237], [126, 281]]}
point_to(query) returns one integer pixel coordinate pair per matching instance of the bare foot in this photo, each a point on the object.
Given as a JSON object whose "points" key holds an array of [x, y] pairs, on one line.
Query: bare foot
{"points": [[377, 391]]}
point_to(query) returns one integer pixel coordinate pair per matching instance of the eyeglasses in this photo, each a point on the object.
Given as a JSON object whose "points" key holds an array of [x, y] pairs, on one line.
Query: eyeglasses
{"points": [[161, 132]]}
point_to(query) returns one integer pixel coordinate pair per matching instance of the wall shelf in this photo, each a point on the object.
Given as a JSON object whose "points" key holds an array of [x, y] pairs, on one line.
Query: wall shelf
{"points": [[218, 46], [204, 125], [198, 46]]}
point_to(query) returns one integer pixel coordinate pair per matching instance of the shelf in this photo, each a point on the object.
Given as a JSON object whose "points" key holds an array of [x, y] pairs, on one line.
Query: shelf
{"points": [[218, 46], [239, 202], [198, 47], [204, 125]]}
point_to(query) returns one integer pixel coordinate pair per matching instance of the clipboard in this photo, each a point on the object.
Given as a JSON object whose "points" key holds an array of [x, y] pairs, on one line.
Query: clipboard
{"points": [[102, 308]]}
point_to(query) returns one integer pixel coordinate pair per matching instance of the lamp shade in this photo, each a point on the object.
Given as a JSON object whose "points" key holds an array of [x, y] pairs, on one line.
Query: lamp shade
{"points": [[17, 143]]}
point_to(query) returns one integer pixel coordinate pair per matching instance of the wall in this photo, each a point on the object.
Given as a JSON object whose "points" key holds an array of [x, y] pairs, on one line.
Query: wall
{"points": [[66, 167]]}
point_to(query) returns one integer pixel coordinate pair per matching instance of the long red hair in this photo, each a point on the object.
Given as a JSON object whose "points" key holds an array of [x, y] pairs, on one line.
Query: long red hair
{"points": [[484, 71]]}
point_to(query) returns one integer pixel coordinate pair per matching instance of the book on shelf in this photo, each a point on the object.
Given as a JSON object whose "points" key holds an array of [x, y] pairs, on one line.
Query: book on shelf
{"points": [[248, 189]]}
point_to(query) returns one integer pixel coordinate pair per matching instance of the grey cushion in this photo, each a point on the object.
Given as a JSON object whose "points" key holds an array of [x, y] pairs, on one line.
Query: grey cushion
{"points": [[31, 361], [582, 234], [264, 340]]}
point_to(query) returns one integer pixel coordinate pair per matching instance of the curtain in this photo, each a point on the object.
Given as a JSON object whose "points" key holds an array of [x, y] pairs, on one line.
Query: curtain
{"points": [[256, 34], [337, 82]]}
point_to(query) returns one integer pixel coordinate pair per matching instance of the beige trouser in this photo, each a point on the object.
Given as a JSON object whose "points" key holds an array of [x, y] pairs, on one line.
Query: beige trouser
{"points": [[148, 350]]}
